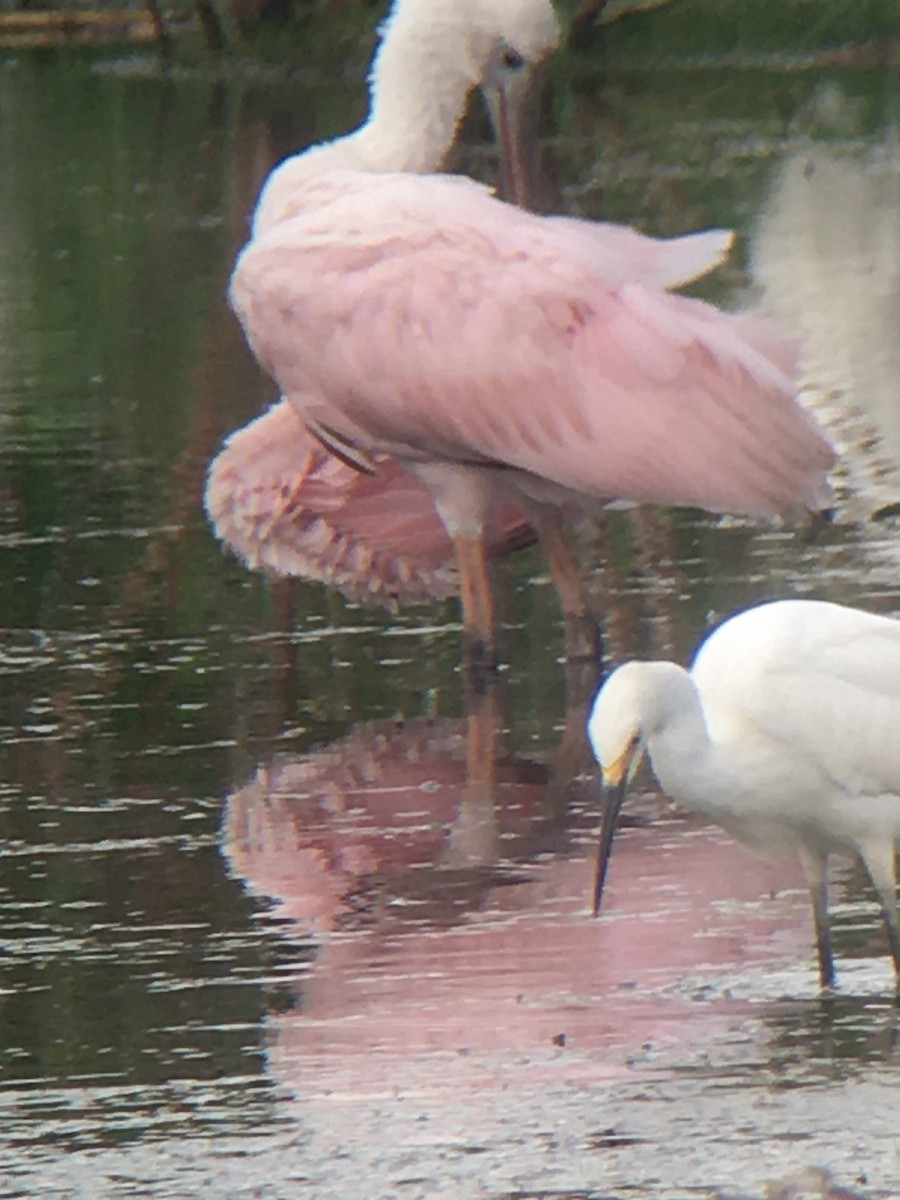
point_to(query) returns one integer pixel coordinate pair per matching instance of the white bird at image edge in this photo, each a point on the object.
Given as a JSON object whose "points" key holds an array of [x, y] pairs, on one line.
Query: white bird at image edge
{"points": [[783, 732]]}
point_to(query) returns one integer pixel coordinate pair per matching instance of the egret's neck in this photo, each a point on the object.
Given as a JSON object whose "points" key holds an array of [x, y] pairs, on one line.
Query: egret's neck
{"points": [[727, 775], [677, 738]]}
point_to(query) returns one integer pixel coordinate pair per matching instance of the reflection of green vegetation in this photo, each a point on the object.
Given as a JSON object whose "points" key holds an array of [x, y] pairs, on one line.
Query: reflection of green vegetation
{"points": [[343, 34], [674, 149]]}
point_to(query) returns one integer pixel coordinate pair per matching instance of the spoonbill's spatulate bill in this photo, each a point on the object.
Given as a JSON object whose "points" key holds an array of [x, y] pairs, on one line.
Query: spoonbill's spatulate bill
{"points": [[784, 732], [500, 357]]}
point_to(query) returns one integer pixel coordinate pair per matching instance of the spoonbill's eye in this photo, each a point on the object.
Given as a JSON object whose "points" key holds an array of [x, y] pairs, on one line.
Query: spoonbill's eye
{"points": [[512, 60]]}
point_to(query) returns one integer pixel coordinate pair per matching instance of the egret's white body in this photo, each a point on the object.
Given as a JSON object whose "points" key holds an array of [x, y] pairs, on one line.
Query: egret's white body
{"points": [[784, 732]]}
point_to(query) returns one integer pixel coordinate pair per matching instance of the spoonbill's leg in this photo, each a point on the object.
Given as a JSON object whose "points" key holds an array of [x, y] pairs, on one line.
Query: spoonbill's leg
{"points": [[284, 602], [582, 631], [815, 867], [477, 604], [879, 859], [474, 836]]}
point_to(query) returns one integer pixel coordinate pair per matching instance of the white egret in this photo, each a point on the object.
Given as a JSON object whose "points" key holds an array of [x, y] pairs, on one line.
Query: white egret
{"points": [[784, 732]]}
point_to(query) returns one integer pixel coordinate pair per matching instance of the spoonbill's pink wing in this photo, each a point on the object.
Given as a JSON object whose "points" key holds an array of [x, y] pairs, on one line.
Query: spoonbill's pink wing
{"points": [[621, 255], [284, 504], [419, 317]]}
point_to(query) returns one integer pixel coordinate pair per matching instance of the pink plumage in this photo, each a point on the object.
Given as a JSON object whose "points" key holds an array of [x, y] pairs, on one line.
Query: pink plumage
{"points": [[418, 317], [472, 367], [286, 505]]}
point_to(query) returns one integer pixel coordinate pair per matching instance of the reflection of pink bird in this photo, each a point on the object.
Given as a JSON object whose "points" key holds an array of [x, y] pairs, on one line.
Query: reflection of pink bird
{"points": [[415, 963], [389, 803], [504, 358]]}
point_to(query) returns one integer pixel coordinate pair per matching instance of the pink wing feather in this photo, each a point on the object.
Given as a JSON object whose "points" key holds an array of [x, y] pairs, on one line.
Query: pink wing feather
{"points": [[419, 317], [622, 255], [284, 504]]}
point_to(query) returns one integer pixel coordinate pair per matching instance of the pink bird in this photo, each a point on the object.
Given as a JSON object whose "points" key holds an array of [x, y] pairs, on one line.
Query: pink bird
{"points": [[275, 495], [285, 504], [517, 367]]}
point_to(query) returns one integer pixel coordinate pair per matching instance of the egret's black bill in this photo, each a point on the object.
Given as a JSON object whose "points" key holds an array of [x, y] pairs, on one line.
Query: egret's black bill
{"points": [[613, 798]]}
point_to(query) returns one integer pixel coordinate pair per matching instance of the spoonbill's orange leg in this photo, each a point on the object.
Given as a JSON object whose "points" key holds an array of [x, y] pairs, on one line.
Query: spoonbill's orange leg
{"points": [[582, 631], [477, 604], [474, 836]]}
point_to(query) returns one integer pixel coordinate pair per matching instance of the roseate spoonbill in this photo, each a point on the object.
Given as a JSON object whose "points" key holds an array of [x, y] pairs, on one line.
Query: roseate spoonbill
{"points": [[784, 732], [275, 495], [285, 504], [500, 357]]}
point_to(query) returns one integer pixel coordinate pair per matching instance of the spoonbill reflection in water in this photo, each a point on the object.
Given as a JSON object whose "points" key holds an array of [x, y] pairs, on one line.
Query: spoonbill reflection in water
{"points": [[784, 732], [503, 359]]}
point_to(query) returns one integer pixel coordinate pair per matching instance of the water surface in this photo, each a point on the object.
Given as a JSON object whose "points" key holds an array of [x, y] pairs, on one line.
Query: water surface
{"points": [[285, 913]]}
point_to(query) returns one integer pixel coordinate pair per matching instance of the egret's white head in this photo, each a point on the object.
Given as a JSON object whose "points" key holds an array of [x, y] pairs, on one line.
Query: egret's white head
{"points": [[615, 724], [635, 702]]}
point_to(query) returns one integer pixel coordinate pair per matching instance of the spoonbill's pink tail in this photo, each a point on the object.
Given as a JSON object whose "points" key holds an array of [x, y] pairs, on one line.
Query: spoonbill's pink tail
{"points": [[284, 504]]}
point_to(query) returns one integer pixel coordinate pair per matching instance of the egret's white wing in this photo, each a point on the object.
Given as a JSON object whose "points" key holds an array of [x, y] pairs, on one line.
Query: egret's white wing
{"points": [[820, 680]]}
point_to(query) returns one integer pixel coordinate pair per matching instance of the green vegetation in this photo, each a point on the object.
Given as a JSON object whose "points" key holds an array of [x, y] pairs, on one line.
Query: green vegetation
{"points": [[329, 31], [731, 28], [341, 32]]}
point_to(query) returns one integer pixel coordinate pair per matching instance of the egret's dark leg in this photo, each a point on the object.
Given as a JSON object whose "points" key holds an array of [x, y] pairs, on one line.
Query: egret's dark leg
{"points": [[879, 860], [815, 867]]}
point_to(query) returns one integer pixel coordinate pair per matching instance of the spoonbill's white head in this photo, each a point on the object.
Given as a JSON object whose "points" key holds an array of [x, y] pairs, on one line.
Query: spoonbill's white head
{"points": [[432, 54], [471, 34]]}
